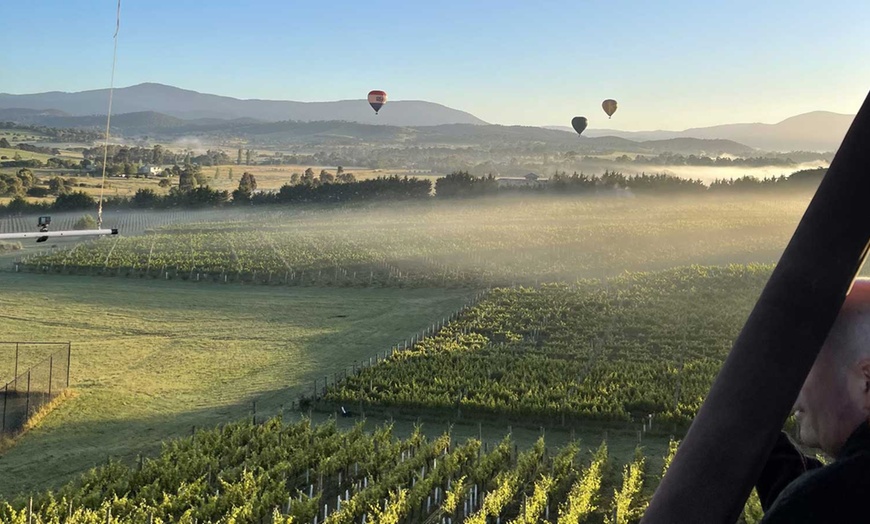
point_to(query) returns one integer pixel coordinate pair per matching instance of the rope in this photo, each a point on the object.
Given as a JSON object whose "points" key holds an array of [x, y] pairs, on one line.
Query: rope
{"points": [[109, 115]]}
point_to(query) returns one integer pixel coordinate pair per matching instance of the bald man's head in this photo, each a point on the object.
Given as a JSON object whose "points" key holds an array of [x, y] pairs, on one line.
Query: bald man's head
{"points": [[849, 339], [835, 397]]}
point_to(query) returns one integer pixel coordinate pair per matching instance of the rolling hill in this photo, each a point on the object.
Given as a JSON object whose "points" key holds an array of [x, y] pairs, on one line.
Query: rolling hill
{"points": [[815, 131], [150, 106], [22, 114], [187, 104], [341, 133]]}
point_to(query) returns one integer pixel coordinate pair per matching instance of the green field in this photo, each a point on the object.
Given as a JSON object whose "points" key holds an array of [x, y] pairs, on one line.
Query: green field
{"points": [[646, 345], [476, 243], [151, 360], [18, 135], [338, 477], [181, 331], [298, 472], [25, 155]]}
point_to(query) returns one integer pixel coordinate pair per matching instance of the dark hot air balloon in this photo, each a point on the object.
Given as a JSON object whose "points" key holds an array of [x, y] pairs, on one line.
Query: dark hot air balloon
{"points": [[579, 124], [609, 107], [377, 99]]}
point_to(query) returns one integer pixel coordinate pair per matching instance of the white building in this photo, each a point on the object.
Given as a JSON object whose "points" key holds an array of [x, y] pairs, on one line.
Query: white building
{"points": [[529, 180], [149, 170]]}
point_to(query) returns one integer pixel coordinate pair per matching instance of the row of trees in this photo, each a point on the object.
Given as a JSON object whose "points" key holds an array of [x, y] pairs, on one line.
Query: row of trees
{"points": [[4, 144], [58, 134], [463, 185], [193, 190], [17, 184], [23, 183], [157, 155], [675, 159]]}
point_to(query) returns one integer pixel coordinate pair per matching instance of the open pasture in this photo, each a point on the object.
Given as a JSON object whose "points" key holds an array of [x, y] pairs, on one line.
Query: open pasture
{"points": [[151, 360]]}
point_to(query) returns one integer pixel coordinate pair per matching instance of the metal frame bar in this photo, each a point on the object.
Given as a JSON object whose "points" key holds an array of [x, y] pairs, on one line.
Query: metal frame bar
{"points": [[52, 234]]}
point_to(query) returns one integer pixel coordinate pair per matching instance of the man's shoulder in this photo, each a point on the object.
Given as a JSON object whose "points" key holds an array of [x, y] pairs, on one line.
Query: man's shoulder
{"points": [[834, 493]]}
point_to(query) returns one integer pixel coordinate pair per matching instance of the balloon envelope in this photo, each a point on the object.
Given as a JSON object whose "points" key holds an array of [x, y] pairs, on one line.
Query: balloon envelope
{"points": [[579, 124], [609, 106], [377, 99]]}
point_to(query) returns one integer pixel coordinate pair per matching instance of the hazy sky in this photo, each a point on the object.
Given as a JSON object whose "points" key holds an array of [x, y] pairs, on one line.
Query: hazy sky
{"points": [[671, 64]]}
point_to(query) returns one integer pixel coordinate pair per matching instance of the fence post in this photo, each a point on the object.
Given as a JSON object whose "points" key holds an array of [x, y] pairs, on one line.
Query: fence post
{"points": [[68, 361], [50, 370], [5, 400], [16, 361], [27, 407]]}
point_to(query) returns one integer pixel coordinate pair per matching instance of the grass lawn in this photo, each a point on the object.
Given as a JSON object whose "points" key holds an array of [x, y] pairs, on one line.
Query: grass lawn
{"points": [[25, 155], [151, 359]]}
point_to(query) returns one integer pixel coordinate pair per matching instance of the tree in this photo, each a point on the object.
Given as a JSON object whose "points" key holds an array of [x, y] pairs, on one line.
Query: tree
{"points": [[217, 173], [200, 178], [230, 174], [114, 169], [248, 156], [308, 177], [157, 154], [239, 160], [74, 200], [345, 178], [164, 183], [145, 197], [38, 191], [187, 179], [14, 187], [203, 196], [463, 184], [59, 186], [16, 156], [294, 179], [85, 222], [26, 177], [326, 177], [19, 205], [5, 143], [248, 183], [122, 156]]}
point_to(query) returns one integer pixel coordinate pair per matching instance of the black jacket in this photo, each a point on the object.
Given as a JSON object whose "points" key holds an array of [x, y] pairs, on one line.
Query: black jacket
{"points": [[797, 489]]}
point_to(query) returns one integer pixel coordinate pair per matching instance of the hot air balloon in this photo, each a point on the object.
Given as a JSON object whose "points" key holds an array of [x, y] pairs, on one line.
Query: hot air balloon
{"points": [[609, 107], [377, 99], [579, 124]]}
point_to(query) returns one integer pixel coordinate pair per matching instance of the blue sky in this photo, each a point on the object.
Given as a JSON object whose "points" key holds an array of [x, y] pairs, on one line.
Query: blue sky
{"points": [[671, 64]]}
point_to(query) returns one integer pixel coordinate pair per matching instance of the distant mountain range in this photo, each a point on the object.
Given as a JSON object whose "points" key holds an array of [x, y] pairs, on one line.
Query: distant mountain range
{"points": [[815, 131], [342, 133], [149, 109], [186, 104]]}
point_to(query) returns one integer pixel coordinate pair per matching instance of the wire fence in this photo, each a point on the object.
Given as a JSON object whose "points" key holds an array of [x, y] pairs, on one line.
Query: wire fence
{"points": [[33, 388]]}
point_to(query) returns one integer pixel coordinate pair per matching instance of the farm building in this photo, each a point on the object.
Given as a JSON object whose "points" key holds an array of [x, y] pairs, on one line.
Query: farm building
{"points": [[530, 180], [149, 170]]}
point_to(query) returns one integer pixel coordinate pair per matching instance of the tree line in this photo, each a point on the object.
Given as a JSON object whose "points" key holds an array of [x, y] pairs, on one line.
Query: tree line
{"points": [[59, 134], [676, 159], [193, 191]]}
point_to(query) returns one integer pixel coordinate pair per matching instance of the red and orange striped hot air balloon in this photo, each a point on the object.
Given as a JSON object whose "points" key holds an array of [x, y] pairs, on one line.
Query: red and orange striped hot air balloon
{"points": [[377, 99]]}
